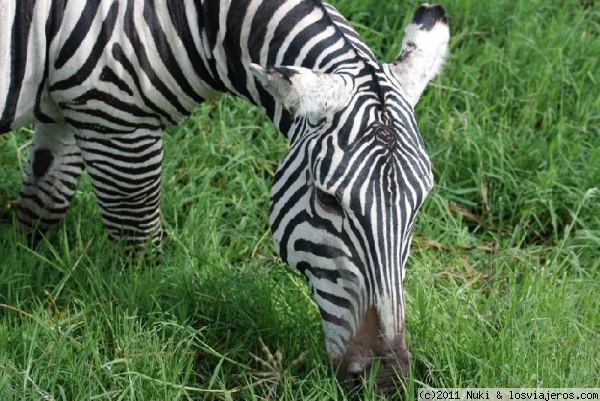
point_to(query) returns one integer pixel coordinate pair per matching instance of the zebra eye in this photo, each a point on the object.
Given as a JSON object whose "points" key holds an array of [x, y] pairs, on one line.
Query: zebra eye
{"points": [[328, 202]]}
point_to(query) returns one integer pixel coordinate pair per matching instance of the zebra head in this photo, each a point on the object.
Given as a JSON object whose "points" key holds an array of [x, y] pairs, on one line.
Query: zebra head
{"points": [[344, 198]]}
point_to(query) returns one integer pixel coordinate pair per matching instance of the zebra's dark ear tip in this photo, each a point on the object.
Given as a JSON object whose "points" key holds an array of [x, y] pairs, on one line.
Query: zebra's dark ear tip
{"points": [[270, 75], [424, 51], [285, 72], [264, 75], [426, 16]]}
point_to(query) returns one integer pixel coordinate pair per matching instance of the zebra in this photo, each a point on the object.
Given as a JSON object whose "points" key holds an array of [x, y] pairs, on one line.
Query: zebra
{"points": [[101, 79]]}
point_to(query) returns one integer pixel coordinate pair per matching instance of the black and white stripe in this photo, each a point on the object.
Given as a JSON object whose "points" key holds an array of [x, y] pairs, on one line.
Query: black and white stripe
{"points": [[101, 79]]}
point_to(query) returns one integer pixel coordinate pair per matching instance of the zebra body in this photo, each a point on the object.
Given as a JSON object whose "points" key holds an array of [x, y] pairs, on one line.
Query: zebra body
{"points": [[101, 79]]}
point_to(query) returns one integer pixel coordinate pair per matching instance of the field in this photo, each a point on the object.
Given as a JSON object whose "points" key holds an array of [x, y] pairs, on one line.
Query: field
{"points": [[503, 280]]}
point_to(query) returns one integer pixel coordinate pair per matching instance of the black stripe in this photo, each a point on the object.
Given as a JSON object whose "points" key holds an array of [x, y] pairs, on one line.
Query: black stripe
{"points": [[333, 55], [18, 60], [101, 129], [299, 42], [367, 273], [321, 274], [290, 201], [119, 55], [343, 303], [78, 33], [108, 75], [378, 237], [324, 161], [133, 213], [298, 152], [33, 217], [320, 47], [232, 46], [178, 13], [287, 23], [118, 143], [146, 63], [115, 194], [328, 317], [285, 123], [258, 30], [35, 198], [136, 163], [109, 118], [163, 47], [257, 37], [208, 17], [105, 97], [90, 64], [128, 176], [289, 229], [53, 25], [134, 226], [322, 250]]}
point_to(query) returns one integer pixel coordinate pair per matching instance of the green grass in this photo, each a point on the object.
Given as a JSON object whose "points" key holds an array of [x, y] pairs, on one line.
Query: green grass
{"points": [[503, 279]]}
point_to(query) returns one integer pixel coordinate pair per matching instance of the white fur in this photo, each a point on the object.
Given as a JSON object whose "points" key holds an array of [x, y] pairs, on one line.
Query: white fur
{"points": [[307, 93], [422, 62], [7, 10]]}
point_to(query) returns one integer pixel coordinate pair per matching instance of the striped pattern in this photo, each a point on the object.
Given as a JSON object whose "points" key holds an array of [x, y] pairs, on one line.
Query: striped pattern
{"points": [[101, 79], [369, 173]]}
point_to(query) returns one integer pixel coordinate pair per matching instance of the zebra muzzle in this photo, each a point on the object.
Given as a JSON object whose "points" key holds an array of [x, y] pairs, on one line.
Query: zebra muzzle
{"points": [[372, 354]]}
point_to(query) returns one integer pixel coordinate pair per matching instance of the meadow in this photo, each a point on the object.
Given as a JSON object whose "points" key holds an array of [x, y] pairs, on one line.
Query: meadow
{"points": [[503, 281]]}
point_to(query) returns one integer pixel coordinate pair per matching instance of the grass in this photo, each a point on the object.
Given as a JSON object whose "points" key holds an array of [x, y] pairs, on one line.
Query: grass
{"points": [[503, 278]]}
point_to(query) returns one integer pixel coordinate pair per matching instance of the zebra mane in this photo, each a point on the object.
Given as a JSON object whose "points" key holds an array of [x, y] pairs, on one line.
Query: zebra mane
{"points": [[362, 51], [364, 54]]}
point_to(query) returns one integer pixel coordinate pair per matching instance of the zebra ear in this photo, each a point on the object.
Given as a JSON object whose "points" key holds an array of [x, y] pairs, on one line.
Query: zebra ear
{"points": [[306, 92], [424, 50]]}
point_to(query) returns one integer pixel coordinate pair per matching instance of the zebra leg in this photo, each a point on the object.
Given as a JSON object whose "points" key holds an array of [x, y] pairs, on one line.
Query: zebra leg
{"points": [[125, 175], [55, 165]]}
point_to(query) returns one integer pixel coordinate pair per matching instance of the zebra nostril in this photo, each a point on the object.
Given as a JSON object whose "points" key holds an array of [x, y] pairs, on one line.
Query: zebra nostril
{"points": [[355, 370]]}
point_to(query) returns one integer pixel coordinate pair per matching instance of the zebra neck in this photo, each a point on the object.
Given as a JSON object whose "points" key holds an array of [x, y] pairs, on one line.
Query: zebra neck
{"points": [[235, 34]]}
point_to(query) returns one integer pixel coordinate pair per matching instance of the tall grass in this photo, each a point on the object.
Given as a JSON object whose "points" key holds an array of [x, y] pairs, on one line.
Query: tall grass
{"points": [[503, 279]]}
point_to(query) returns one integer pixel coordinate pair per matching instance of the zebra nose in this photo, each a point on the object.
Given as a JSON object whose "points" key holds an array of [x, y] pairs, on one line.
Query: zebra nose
{"points": [[370, 353], [352, 373], [355, 370], [388, 371]]}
